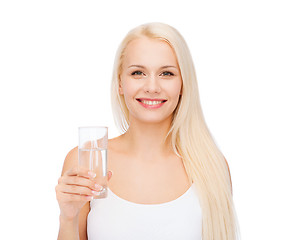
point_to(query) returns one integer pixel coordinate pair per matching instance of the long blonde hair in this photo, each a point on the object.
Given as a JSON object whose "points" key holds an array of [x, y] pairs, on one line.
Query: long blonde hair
{"points": [[190, 137]]}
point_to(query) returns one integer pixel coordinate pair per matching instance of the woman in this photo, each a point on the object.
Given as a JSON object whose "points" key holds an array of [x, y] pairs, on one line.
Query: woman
{"points": [[170, 180]]}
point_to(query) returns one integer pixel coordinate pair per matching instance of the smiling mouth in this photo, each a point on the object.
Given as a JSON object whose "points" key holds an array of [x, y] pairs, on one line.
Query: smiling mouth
{"points": [[151, 102]]}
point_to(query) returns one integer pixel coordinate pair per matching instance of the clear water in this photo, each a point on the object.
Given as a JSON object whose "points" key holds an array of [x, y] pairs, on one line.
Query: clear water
{"points": [[95, 159]]}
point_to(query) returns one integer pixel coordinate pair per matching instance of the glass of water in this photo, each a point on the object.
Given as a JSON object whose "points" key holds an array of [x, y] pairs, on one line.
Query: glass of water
{"points": [[92, 154]]}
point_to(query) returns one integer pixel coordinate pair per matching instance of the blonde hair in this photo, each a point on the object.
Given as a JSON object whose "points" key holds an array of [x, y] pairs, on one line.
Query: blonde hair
{"points": [[190, 137]]}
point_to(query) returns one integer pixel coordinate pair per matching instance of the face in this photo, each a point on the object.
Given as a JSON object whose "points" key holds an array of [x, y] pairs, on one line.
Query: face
{"points": [[150, 80]]}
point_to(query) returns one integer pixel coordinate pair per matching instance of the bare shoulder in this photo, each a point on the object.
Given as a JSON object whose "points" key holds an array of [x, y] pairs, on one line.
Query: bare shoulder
{"points": [[228, 172], [226, 163], [71, 160]]}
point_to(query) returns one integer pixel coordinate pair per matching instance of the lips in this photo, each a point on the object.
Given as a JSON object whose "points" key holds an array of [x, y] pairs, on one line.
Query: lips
{"points": [[151, 103]]}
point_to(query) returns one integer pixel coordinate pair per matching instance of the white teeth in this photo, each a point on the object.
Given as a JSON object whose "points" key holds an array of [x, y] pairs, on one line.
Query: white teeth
{"points": [[151, 102]]}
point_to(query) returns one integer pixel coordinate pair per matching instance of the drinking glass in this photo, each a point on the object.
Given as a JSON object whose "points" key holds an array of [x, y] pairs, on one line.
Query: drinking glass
{"points": [[92, 154]]}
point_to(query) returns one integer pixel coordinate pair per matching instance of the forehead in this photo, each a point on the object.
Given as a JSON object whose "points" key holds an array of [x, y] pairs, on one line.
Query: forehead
{"points": [[149, 52]]}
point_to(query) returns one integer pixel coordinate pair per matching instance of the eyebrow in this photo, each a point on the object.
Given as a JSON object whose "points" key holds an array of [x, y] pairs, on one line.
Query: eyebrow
{"points": [[140, 66]]}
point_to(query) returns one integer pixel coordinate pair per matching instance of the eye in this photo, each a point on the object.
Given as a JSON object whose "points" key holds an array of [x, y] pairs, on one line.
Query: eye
{"points": [[167, 73], [137, 73]]}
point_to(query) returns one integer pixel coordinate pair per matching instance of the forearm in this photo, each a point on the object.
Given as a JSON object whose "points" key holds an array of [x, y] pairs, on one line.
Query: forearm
{"points": [[69, 229]]}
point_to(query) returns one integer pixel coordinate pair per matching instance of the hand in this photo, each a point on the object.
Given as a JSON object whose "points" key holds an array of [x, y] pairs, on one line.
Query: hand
{"points": [[75, 188]]}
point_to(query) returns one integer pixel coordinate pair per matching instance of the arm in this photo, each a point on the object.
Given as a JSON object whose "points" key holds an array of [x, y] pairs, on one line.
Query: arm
{"points": [[74, 228], [75, 189]]}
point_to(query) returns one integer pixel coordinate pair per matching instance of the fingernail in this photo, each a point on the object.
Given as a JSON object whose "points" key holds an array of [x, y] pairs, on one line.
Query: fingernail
{"points": [[95, 193]]}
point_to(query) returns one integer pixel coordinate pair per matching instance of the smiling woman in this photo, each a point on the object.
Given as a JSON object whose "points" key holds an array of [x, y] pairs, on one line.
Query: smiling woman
{"points": [[150, 80], [187, 133], [170, 181]]}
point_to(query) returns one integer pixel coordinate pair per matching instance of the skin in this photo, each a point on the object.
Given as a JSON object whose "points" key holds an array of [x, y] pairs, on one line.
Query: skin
{"points": [[74, 207], [141, 152]]}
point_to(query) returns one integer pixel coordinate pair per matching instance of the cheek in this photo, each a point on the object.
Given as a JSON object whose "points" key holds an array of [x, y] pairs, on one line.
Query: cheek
{"points": [[123, 86], [174, 90], [129, 90], [126, 90]]}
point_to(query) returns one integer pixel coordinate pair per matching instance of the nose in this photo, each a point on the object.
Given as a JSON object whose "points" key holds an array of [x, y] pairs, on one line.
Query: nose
{"points": [[152, 85]]}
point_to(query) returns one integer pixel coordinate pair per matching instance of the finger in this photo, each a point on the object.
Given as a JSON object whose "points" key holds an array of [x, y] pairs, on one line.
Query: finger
{"points": [[75, 197], [80, 181], [82, 172], [76, 190]]}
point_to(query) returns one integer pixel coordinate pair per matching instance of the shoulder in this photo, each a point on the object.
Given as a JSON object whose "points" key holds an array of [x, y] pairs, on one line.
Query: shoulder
{"points": [[228, 172], [71, 160], [72, 153], [227, 164]]}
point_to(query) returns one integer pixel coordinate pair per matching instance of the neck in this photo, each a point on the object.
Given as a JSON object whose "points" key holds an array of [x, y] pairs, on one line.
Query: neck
{"points": [[147, 142]]}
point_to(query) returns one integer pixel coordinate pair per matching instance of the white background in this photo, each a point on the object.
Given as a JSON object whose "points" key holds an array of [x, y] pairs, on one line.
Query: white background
{"points": [[56, 60]]}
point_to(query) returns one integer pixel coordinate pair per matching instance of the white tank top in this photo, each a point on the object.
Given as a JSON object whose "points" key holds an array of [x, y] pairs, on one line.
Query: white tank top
{"points": [[114, 218]]}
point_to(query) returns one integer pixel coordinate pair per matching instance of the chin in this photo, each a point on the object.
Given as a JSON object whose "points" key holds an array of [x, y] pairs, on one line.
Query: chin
{"points": [[152, 120]]}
